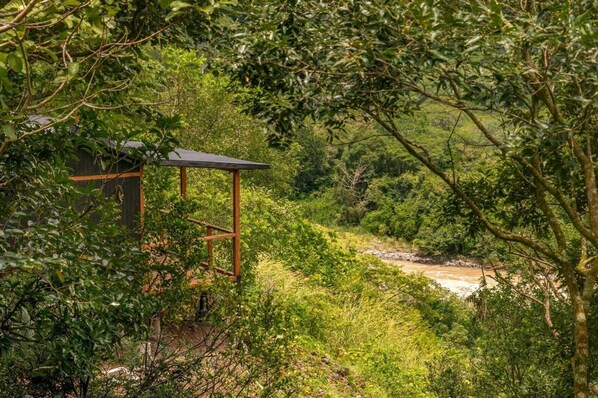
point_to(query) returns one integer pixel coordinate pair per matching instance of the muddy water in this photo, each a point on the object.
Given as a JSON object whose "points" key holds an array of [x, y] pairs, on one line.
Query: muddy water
{"points": [[460, 280]]}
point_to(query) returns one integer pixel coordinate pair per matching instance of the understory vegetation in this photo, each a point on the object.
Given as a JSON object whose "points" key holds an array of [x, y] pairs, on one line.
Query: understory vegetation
{"points": [[89, 308], [366, 179]]}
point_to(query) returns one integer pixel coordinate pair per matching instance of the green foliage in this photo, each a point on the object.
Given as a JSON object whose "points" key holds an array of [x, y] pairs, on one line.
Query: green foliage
{"points": [[344, 332], [530, 66], [311, 317], [333, 299], [67, 57], [514, 355], [321, 208], [240, 347], [392, 195], [398, 205], [354, 310], [315, 169], [76, 287], [519, 355], [70, 286], [209, 120]]}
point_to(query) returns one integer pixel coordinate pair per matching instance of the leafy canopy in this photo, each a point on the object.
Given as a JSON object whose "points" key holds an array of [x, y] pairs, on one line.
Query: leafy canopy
{"points": [[523, 72]]}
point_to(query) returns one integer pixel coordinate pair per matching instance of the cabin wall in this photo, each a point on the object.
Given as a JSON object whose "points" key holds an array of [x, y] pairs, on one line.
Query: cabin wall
{"points": [[126, 191], [90, 165]]}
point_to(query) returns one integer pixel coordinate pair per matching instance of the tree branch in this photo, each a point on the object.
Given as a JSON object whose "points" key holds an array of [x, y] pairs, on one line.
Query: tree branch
{"points": [[427, 161], [19, 18]]}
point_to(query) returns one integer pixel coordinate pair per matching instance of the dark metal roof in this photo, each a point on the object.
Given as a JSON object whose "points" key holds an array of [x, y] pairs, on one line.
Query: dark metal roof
{"points": [[185, 157], [179, 157]]}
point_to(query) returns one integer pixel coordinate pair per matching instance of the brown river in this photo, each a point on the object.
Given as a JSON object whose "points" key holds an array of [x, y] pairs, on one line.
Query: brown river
{"points": [[461, 280]]}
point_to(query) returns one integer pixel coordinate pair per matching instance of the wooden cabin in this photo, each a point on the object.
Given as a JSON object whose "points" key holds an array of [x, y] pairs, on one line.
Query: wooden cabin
{"points": [[122, 178]]}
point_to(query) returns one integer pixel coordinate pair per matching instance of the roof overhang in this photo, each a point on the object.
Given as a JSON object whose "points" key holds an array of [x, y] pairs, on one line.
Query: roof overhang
{"points": [[188, 158]]}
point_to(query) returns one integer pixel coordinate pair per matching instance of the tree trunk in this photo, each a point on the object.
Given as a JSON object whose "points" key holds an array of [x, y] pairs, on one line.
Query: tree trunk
{"points": [[582, 346]]}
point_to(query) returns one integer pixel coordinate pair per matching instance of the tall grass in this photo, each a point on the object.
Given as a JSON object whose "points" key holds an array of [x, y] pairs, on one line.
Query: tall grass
{"points": [[359, 327], [380, 344]]}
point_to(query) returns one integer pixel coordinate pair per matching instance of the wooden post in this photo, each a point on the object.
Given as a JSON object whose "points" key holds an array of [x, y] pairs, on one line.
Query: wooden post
{"points": [[141, 197], [183, 182], [210, 249], [237, 223], [141, 226]]}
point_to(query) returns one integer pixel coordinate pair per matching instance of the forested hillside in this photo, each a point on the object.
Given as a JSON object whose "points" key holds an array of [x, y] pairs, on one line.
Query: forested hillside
{"points": [[422, 127]]}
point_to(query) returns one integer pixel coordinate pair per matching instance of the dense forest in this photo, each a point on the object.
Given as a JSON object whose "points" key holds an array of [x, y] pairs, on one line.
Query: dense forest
{"points": [[446, 130]]}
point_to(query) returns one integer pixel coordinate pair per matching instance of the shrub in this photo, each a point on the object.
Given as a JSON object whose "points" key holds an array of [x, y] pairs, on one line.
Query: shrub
{"points": [[70, 286]]}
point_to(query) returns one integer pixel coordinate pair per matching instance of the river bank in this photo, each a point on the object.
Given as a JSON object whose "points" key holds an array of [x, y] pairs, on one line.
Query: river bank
{"points": [[460, 276], [387, 255]]}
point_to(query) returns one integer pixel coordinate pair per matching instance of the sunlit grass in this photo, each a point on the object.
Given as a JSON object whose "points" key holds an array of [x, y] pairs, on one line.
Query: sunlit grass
{"points": [[380, 345], [363, 240]]}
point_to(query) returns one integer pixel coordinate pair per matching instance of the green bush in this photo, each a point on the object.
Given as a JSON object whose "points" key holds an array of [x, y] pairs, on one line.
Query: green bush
{"points": [[71, 280], [515, 353], [321, 208], [74, 288]]}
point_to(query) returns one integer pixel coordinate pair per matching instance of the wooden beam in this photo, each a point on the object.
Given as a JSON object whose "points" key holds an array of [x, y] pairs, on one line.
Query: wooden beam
{"points": [[107, 176], [141, 196], [218, 237], [208, 225], [219, 270], [202, 223], [183, 171], [210, 249], [237, 223]]}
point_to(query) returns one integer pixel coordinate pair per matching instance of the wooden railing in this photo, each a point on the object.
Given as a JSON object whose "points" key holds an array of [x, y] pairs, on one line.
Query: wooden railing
{"points": [[209, 238]]}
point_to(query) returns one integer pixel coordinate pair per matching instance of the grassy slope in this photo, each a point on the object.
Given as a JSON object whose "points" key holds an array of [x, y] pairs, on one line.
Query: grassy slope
{"points": [[361, 327], [370, 334]]}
